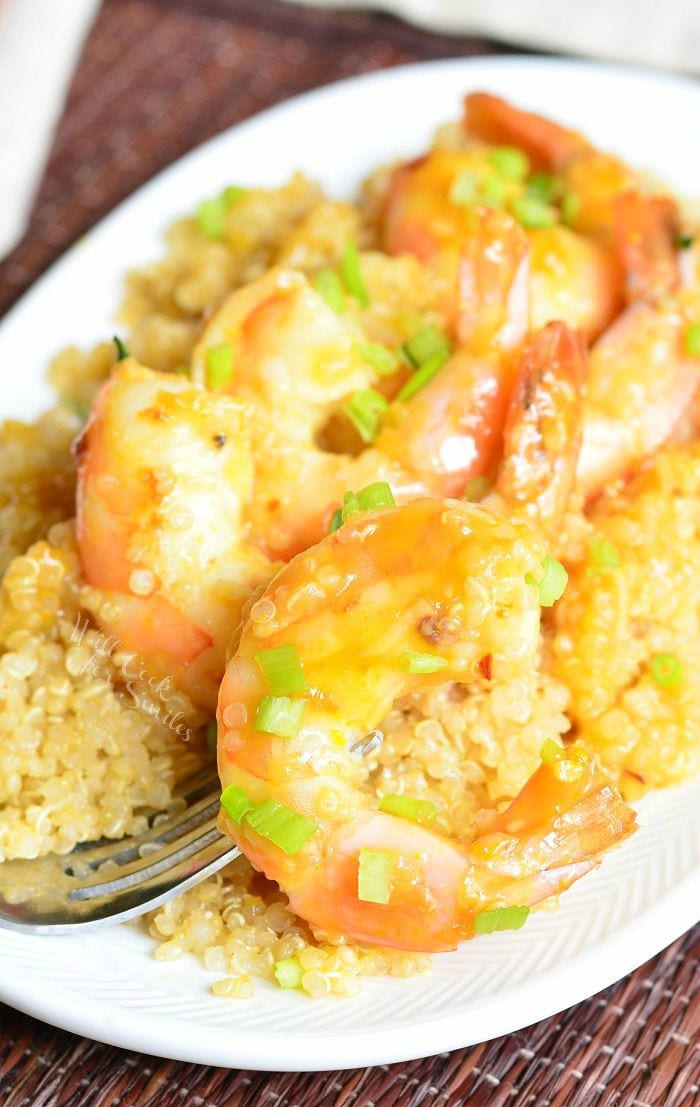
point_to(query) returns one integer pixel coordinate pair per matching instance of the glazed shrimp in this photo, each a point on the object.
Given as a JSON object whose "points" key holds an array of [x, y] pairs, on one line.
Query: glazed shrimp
{"points": [[164, 473], [295, 360], [641, 379], [435, 586], [572, 278]]}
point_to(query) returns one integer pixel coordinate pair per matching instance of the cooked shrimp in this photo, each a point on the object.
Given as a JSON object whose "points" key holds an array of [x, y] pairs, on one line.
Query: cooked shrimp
{"points": [[572, 278], [594, 178], [164, 473], [294, 361], [396, 602], [543, 431]]}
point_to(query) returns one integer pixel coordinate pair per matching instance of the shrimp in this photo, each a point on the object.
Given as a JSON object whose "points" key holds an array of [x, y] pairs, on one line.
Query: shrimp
{"points": [[358, 609], [295, 361], [641, 379], [594, 178], [572, 278], [164, 473]]}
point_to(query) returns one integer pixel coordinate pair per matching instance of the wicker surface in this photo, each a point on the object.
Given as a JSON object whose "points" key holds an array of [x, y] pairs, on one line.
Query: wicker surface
{"points": [[158, 77]]}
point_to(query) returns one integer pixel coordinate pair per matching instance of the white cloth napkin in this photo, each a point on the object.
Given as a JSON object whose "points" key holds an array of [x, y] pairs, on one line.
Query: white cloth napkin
{"points": [[39, 45], [651, 32]]}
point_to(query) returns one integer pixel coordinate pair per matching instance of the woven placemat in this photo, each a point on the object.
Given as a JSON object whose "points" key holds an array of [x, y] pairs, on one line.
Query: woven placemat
{"points": [[157, 77]]}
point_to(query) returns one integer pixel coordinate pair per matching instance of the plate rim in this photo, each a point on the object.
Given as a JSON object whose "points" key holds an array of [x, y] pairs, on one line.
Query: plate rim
{"points": [[580, 977]]}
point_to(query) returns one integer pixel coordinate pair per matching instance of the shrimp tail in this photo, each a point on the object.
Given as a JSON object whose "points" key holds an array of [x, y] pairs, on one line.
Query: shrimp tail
{"points": [[645, 230], [543, 429], [493, 284], [493, 119]]}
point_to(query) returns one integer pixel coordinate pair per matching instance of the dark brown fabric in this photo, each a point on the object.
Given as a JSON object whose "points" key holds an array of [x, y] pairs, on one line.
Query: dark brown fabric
{"points": [[156, 78]]}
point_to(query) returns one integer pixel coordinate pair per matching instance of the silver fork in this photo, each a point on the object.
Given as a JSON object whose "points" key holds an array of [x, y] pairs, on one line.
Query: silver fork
{"points": [[100, 883]]}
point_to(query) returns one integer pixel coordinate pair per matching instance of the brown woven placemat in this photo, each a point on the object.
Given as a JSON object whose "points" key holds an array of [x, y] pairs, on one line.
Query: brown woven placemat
{"points": [[156, 78]]}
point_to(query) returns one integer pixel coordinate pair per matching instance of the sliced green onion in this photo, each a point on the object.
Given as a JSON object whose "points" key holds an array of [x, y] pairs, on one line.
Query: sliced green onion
{"points": [[464, 188], [279, 715], [406, 807], [422, 376], [477, 487], [351, 505], [219, 365], [684, 241], [352, 273], [328, 284], [542, 186], [666, 669], [232, 194], [280, 825], [491, 192], [211, 735], [381, 358], [288, 972], [425, 344], [510, 162], [236, 802], [376, 495], [550, 751], [366, 410], [414, 662], [570, 208], [211, 217], [281, 667], [500, 918], [122, 351], [603, 554], [375, 867], [692, 340], [533, 213], [336, 520], [551, 586]]}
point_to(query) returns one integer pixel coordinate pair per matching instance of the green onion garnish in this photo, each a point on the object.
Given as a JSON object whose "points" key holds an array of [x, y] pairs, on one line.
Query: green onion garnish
{"points": [[376, 495], [236, 802], [282, 670], [533, 213], [603, 554], [550, 751], [542, 186], [122, 351], [570, 208], [288, 972], [510, 162], [375, 867], [336, 520], [463, 188], [500, 918], [351, 505], [381, 358], [219, 365], [423, 376], [491, 191], [232, 194], [279, 715], [477, 487], [211, 735], [414, 662], [684, 241], [551, 586], [280, 825], [211, 217], [692, 340], [425, 344], [352, 274], [666, 669], [366, 411], [328, 284], [406, 807]]}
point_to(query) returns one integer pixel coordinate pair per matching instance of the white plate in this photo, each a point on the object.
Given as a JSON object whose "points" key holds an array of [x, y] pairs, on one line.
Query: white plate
{"points": [[106, 985]]}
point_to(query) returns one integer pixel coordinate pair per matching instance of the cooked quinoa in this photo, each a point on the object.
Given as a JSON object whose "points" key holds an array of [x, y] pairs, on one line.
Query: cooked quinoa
{"points": [[82, 757]]}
